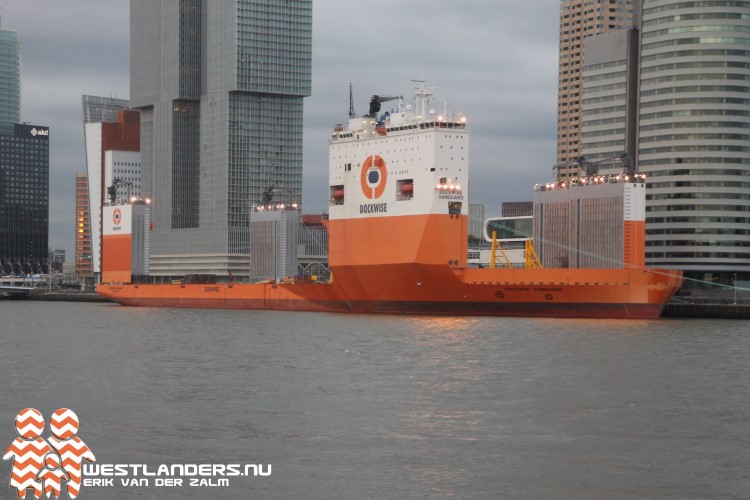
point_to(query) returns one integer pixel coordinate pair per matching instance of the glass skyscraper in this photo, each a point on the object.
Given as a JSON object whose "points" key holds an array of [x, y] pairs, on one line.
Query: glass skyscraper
{"points": [[220, 86], [24, 198], [10, 77], [695, 136]]}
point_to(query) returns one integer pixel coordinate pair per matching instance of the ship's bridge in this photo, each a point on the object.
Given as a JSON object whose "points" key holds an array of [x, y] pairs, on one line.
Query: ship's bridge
{"points": [[397, 123], [404, 118], [405, 162]]}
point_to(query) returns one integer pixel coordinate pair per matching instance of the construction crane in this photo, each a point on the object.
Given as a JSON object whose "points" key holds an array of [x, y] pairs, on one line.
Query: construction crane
{"points": [[376, 101], [592, 167], [268, 195], [112, 190]]}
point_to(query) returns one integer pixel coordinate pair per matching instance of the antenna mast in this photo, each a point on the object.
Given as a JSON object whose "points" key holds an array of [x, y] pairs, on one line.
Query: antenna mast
{"points": [[351, 101]]}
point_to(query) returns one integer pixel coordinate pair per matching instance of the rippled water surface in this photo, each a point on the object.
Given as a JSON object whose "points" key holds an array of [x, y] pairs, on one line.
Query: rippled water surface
{"points": [[356, 406]]}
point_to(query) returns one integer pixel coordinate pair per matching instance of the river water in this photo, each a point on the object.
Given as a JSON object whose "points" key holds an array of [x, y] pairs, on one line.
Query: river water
{"points": [[358, 406]]}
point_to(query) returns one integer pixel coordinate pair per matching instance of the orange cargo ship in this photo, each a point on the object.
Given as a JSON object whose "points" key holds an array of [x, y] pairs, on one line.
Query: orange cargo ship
{"points": [[398, 225]]}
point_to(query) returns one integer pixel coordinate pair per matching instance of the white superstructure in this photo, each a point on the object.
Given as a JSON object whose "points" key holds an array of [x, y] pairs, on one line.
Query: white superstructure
{"points": [[411, 160]]}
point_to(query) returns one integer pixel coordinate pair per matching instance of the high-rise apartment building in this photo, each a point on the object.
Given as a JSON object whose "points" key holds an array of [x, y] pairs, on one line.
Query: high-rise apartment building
{"points": [[10, 77], [84, 256], [580, 19], [695, 136], [220, 86]]}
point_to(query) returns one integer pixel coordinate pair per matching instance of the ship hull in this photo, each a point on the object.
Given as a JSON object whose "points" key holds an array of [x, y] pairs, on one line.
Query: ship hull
{"points": [[431, 290]]}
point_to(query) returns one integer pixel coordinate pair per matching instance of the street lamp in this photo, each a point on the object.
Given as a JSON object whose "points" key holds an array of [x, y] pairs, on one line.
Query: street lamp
{"points": [[734, 288]]}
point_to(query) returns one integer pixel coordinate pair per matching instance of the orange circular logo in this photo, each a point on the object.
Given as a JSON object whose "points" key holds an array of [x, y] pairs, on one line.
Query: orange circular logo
{"points": [[116, 216], [373, 177]]}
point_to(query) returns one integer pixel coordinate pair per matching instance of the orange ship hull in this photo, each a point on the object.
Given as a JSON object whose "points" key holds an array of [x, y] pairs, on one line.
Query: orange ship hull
{"points": [[398, 239], [433, 289]]}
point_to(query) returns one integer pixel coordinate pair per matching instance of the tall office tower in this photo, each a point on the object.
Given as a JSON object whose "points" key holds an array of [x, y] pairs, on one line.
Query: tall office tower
{"points": [[10, 77], [84, 257], [580, 19], [24, 197], [102, 109], [220, 87], [694, 133], [609, 126]]}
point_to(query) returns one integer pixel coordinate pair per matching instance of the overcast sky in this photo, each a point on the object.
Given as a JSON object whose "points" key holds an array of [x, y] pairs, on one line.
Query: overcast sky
{"points": [[495, 60]]}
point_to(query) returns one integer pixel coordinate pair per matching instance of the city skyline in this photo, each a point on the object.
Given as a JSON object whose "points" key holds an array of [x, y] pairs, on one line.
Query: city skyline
{"points": [[509, 94]]}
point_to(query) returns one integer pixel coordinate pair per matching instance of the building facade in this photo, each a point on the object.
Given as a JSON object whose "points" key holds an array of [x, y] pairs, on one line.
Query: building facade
{"points": [[57, 258], [695, 136], [10, 77], [24, 197], [609, 127], [580, 19], [110, 146], [98, 109], [221, 121], [84, 264], [517, 208]]}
